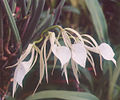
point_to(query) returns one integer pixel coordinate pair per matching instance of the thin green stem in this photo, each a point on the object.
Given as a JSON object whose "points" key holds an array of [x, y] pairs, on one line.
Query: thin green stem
{"points": [[46, 30]]}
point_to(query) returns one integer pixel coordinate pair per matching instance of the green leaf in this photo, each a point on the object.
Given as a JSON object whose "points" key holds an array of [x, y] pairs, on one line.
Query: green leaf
{"points": [[9, 98], [87, 74], [12, 5], [42, 23], [71, 9], [12, 21], [58, 11], [23, 7], [28, 6], [34, 6], [48, 21], [98, 19], [114, 78], [61, 94], [33, 22]]}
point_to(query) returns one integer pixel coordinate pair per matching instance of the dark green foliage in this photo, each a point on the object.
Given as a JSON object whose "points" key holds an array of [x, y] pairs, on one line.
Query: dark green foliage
{"points": [[33, 21], [67, 95]]}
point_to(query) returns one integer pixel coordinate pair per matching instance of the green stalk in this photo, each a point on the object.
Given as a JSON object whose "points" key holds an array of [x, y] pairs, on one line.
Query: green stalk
{"points": [[12, 21], [46, 30]]}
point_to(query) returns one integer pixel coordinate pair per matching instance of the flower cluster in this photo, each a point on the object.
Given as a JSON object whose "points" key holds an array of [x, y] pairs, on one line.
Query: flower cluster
{"points": [[75, 48]]}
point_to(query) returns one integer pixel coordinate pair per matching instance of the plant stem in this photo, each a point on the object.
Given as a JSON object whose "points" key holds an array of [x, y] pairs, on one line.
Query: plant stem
{"points": [[46, 30]]}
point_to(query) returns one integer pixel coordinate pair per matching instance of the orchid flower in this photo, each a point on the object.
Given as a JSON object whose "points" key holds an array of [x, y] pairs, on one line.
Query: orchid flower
{"points": [[76, 47], [79, 51], [23, 66]]}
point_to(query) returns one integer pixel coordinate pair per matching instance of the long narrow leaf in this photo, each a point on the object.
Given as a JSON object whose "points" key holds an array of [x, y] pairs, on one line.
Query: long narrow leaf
{"points": [[114, 79], [34, 22], [43, 25], [58, 11], [87, 74], [23, 7], [34, 6], [28, 6], [9, 98], [11, 20], [98, 19], [67, 95]]}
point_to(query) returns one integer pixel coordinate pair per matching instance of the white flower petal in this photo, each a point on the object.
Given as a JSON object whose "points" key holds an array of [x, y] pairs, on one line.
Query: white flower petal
{"points": [[65, 72], [66, 39], [20, 73], [75, 32], [107, 52], [22, 69], [18, 77], [14, 88], [27, 64], [42, 67], [79, 54], [75, 70], [23, 56], [62, 53], [26, 53], [55, 62], [52, 38]]}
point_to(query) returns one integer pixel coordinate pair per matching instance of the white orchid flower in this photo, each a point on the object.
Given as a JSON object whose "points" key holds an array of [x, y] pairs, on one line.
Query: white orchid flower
{"points": [[79, 50], [61, 52], [23, 67], [76, 48], [76, 52], [105, 51]]}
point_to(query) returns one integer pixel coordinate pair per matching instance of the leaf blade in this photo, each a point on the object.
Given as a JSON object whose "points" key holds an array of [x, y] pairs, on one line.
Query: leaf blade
{"points": [[11, 20], [98, 19], [67, 95]]}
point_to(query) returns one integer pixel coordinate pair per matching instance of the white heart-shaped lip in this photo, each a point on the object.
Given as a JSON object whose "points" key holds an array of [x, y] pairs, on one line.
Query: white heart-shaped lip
{"points": [[62, 53], [79, 54], [107, 52]]}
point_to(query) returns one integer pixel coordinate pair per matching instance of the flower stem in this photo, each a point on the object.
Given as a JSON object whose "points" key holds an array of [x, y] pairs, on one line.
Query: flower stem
{"points": [[46, 30]]}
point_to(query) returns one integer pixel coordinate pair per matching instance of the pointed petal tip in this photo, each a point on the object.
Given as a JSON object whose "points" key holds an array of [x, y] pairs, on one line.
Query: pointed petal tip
{"points": [[114, 61]]}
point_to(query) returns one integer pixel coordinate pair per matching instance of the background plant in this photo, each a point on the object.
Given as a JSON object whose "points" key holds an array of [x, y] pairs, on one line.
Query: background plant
{"points": [[80, 18], [20, 20]]}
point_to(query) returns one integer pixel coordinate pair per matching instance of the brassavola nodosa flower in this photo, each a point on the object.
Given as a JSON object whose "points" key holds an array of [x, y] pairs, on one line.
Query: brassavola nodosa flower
{"points": [[23, 66], [75, 47], [79, 51]]}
